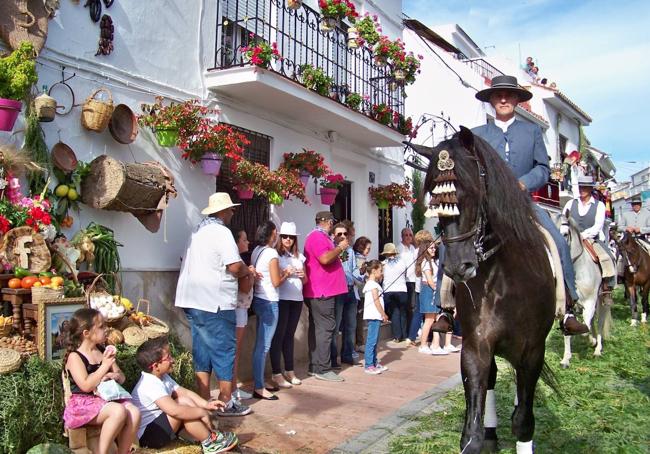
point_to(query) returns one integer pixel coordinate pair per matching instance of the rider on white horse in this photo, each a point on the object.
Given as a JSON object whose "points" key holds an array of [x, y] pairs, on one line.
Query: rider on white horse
{"points": [[589, 215]]}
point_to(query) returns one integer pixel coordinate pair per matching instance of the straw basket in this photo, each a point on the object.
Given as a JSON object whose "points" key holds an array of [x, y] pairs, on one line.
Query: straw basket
{"points": [[134, 336], [9, 360], [153, 327], [6, 326], [98, 288], [96, 114], [45, 294]]}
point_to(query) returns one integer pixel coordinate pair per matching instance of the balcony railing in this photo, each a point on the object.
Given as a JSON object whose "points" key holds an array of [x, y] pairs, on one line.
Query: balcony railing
{"points": [[300, 41], [481, 67]]}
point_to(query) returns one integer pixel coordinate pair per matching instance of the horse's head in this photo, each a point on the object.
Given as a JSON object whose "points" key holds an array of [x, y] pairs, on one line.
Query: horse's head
{"points": [[630, 248], [478, 202], [569, 230]]}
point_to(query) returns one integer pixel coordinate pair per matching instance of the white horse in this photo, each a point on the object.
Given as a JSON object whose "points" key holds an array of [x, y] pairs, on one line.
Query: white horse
{"points": [[588, 282]]}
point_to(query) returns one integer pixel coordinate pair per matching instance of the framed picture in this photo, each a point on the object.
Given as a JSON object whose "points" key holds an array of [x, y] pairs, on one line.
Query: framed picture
{"points": [[53, 317]]}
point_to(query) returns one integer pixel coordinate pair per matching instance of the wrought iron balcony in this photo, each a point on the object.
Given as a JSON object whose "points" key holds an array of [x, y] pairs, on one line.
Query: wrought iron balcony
{"points": [[301, 41]]}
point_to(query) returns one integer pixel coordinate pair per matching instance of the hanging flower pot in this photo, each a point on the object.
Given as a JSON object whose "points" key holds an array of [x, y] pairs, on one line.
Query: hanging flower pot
{"points": [[294, 4], [211, 163], [353, 34], [9, 110], [399, 75], [275, 198], [382, 204], [328, 195], [381, 61], [328, 24], [167, 137], [244, 192], [304, 177]]}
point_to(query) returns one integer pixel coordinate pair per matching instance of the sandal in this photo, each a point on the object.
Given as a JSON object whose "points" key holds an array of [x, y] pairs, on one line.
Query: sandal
{"points": [[291, 378], [280, 382]]}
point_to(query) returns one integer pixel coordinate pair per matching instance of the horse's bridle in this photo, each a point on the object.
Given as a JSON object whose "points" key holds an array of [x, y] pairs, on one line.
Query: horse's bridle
{"points": [[480, 223]]}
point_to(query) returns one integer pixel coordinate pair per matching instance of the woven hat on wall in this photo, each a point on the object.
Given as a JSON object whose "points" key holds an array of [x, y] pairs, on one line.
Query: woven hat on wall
{"points": [[24, 20]]}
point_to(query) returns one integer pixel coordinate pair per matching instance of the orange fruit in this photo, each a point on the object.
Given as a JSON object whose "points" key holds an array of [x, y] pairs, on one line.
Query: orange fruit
{"points": [[44, 280], [28, 281], [14, 283]]}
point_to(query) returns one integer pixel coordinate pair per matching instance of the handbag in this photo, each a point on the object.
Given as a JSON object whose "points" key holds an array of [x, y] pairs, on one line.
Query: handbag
{"points": [[110, 390]]}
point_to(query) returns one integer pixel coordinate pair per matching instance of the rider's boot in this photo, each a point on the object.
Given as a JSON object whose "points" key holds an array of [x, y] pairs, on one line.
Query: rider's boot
{"points": [[445, 322], [606, 294], [570, 326]]}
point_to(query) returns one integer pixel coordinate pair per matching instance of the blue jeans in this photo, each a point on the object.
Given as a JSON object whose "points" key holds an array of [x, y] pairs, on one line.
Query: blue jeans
{"points": [[416, 319], [397, 302], [346, 322], [213, 341], [563, 248], [267, 321], [372, 338]]}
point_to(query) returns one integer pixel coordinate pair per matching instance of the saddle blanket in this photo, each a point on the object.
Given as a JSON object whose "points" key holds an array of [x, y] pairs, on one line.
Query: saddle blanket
{"points": [[556, 266]]}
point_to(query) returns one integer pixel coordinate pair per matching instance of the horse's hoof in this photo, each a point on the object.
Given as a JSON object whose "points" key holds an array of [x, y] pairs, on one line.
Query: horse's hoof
{"points": [[598, 354], [564, 365], [490, 446]]}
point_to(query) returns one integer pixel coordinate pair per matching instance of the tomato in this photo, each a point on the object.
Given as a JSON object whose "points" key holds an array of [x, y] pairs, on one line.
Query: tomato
{"points": [[28, 281], [14, 283], [44, 280]]}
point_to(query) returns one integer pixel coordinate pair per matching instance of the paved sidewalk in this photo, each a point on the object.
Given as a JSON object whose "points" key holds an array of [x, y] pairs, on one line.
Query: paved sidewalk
{"points": [[319, 417]]}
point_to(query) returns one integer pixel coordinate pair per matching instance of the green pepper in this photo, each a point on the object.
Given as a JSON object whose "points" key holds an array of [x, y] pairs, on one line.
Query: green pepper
{"points": [[21, 272], [46, 274]]}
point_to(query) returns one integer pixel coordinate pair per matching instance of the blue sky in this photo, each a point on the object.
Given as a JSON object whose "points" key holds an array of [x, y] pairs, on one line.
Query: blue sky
{"points": [[597, 51]]}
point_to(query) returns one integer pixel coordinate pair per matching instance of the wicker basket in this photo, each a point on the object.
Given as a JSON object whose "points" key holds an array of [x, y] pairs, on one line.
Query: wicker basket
{"points": [[45, 294], [155, 327], [96, 114], [6, 326], [9, 360], [98, 287], [134, 336]]}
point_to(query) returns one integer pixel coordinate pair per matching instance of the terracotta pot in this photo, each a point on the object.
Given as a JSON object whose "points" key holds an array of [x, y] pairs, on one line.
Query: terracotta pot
{"points": [[123, 125], [244, 193], [211, 163], [9, 110], [63, 157], [328, 195]]}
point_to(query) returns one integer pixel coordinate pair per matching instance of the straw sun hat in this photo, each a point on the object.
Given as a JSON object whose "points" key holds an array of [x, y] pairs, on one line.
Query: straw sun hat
{"points": [[219, 201]]}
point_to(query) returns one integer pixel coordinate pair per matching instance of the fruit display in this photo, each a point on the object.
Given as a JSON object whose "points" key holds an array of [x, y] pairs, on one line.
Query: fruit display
{"points": [[114, 337], [108, 305], [141, 318], [23, 346]]}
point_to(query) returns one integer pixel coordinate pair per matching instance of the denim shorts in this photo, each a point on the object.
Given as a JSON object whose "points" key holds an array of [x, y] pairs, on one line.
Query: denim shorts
{"points": [[427, 300], [213, 341]]}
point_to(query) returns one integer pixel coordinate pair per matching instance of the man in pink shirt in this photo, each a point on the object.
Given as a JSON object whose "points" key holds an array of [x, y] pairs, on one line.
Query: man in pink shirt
{"points": [[326, 279]]}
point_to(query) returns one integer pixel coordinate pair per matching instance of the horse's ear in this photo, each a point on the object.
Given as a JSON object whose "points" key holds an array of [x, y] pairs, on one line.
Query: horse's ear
{"points": [[466, 138]]}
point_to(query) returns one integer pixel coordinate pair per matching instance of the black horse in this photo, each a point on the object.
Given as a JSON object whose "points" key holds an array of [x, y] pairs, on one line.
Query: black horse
{"points": [[505, 289]]}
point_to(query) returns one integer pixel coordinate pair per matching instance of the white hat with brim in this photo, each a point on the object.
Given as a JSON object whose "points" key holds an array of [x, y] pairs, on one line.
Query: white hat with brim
{"points": [[288, 228], [389, 249], [218, 201]]}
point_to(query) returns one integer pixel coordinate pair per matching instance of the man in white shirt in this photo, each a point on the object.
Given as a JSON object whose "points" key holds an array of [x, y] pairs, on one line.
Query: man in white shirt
{"points": [[207, 292], [637, 221], [589, 215]]}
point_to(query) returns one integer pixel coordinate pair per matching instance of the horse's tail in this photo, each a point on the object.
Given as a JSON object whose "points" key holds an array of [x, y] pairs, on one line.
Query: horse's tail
{"points": [[604, 318], [550, 379]]}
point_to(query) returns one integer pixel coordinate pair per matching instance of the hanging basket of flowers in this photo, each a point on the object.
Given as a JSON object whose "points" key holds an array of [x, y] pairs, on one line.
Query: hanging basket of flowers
{"points": [[211, 143], [368, 30], [260, 53], [389, 195], [250, 178], [406, 67], [308, 163], [286, 184], [170, 122], [334, 11], [17, 75], [329, 187]]}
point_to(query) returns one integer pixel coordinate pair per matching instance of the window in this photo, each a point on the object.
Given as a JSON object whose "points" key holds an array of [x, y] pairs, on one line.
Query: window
{"points": [[385, 227], [252, 212], [562, 144], [342, 208]]}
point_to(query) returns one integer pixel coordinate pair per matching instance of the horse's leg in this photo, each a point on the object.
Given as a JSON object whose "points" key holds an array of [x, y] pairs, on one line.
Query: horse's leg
{"points": [[490, 416], [631, 289], [589, 311], [644, 302], [475, 364], [566, 359], [523, 419]]}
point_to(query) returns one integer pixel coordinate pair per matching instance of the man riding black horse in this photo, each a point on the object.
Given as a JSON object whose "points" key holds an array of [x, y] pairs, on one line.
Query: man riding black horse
{"points": [[521, 145], [637, 222]]}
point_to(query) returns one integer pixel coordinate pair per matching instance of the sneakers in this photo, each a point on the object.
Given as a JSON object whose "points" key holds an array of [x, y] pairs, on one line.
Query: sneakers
{"points": [[450, 348], [381, 367], [426, 350], [372, 370], [219, 442], [240, 394], [233, 409], [329, 376], [439, 351]]}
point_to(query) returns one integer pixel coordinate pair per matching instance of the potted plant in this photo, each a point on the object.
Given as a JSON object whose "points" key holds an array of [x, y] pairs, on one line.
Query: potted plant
{"points": [[315, 79], [249, 178], [286, 183], [210, 143], [368, 30], [404, 124], [307, 163], [385, 50], [353, 100], [382, 113], [330, 185], [393, 194], [405, 67], [261, 53], [17, 75], [335, 10], [169, 122]]}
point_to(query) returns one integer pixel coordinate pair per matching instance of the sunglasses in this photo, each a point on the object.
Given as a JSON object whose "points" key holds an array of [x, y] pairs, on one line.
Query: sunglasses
{"points": [[287, 237], [342, 234]]}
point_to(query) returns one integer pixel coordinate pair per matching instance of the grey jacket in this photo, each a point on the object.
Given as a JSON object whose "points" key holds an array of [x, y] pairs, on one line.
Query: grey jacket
{"points": [[632, 219], [527, 157]]}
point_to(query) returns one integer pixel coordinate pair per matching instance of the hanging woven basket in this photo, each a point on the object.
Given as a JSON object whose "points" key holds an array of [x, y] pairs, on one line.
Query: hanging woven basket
{"points": [[96, 114]]}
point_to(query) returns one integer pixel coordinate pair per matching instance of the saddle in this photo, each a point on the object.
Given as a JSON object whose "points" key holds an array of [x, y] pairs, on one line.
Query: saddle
{"points": [[590, 249]]}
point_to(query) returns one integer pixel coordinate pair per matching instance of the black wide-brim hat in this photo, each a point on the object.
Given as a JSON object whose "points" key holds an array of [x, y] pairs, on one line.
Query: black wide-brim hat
{"points": [[504, 83]]}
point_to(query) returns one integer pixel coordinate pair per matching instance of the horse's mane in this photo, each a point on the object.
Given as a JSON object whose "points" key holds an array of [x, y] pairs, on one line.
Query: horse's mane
{"points": [[510, 210]]}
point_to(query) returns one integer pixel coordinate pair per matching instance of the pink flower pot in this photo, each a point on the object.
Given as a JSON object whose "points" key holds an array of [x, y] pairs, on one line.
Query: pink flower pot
{"points": [[304, 177], [244, 193], [211, 163], [9, 110], [328, 195]]}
